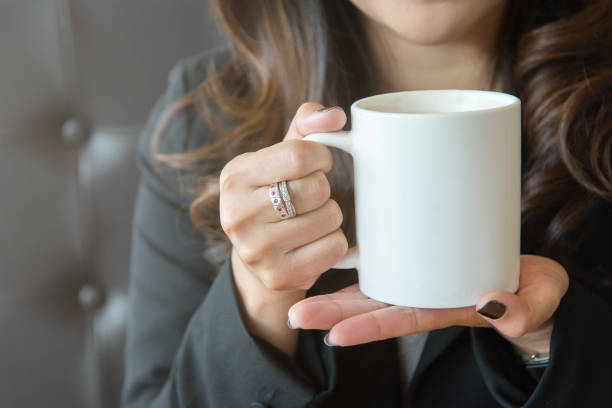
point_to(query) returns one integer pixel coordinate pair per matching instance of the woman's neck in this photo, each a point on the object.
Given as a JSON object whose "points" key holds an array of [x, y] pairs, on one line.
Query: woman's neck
{"points": [[464, 63]]}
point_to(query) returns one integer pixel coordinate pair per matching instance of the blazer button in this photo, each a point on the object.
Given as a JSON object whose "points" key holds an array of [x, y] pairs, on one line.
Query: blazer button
{"points": [[257, 405]]}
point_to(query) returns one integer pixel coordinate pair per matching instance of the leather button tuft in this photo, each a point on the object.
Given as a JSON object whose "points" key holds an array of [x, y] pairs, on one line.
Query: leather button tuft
{"points": [[75, 131], [90, 297]]}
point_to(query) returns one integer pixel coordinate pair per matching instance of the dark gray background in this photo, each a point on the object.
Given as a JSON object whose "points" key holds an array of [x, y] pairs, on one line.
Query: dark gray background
{"points": [[66, 196]]}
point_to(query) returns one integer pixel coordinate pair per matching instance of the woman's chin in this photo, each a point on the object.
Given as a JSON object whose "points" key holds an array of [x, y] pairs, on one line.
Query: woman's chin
{"points": [[433, 22]]}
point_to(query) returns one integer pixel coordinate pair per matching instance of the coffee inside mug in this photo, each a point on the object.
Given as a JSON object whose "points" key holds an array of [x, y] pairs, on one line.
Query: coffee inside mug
{"points": [[436, 101]]}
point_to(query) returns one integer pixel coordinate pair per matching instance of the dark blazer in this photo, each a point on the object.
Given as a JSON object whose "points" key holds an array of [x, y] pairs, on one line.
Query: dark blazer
{"points": [[187, 345]]}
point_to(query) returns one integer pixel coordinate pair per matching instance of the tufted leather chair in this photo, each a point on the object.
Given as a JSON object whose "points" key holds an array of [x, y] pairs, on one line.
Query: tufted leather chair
{"points": [[77, 79]]}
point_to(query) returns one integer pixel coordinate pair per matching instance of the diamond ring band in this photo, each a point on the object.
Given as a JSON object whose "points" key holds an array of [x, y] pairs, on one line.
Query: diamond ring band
{"points": [[281, 200]]}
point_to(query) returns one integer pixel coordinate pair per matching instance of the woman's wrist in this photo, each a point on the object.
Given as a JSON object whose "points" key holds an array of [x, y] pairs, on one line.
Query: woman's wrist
{"points": [[534, 346], [265, 311]]}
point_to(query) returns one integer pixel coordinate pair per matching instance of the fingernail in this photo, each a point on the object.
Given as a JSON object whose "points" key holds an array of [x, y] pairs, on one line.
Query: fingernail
{"points": [[290, 325], [323, 110], [327, 342], [492, 309]]}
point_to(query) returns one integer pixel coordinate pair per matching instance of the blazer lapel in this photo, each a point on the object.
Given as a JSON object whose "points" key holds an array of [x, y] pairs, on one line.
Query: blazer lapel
{"points": [[437, 341]]}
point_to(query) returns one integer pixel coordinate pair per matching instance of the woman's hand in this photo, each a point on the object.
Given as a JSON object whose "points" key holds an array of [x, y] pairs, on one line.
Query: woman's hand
{"points": [[274, 260], [525, 318]]}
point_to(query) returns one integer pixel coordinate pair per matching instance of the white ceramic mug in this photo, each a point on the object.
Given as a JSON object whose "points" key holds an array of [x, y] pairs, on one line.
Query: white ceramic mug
{"points": [[437, 195]]}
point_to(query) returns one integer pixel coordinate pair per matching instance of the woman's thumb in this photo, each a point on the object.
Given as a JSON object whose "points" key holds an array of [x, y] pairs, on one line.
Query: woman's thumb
{"points": [[313, 117]]}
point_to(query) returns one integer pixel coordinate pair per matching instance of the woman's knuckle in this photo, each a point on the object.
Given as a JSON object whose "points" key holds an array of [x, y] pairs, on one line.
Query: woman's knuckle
{"points": [[252, 252], [320, 186], [230, 174], [335, 212], [229, 219], [273, 280], [340, 244], [232, 217], [298, 157], [227, 179]]}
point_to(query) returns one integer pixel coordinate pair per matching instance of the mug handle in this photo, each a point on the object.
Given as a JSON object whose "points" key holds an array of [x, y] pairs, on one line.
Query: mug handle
{"points": [[342, 140]]}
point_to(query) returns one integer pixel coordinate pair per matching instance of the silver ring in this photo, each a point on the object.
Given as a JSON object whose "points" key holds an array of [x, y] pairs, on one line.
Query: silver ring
{"points": [[287, 198], [277, 201]]}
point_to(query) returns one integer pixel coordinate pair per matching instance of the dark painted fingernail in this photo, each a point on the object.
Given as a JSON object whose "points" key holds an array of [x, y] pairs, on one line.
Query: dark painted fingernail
{"points": [[327, 342], [492, 309], [323, 110], [290, 325]]}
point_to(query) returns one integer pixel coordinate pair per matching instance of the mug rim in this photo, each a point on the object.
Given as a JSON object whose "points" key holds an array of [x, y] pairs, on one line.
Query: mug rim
{"points": [[512, 101]]}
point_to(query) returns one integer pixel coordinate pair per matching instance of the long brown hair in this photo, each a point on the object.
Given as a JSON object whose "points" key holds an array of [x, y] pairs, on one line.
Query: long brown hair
{"points": [[555, 55]]}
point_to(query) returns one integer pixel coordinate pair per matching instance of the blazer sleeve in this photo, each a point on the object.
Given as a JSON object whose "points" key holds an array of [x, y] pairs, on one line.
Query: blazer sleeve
{"points": [[580, 358], [187, 345]]}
